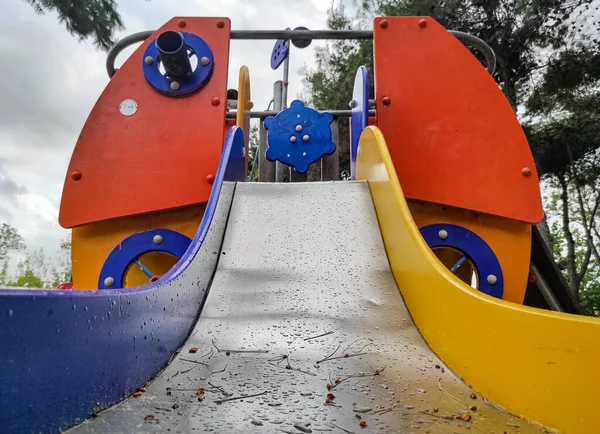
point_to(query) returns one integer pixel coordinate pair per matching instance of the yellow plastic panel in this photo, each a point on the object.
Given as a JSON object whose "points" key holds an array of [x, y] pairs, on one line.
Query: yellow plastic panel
{"points": [[537, 364], [509, 239], [92, 243]]}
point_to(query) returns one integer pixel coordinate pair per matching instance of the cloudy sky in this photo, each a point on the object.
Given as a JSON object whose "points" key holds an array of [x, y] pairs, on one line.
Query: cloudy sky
{"points": [[51, 81]]}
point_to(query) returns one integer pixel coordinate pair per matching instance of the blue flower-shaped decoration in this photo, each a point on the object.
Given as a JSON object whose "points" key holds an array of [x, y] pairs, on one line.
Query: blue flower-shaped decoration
{"points": [[299, 136]]}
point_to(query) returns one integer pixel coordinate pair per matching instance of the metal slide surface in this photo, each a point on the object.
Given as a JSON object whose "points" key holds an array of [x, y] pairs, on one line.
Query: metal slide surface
{"points": [[303, 297]]}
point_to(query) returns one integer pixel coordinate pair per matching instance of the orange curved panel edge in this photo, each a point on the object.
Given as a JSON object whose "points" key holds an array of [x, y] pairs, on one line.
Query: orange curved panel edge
{"points": [[453, 137], [160, 157]]}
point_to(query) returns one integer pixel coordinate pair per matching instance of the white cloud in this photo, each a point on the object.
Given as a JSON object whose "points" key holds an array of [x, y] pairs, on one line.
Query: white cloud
{"points": [[51, 81]]}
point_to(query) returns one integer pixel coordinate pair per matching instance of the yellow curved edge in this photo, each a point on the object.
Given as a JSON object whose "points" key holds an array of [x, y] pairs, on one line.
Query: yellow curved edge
{"points": [[92, 243], [543, 366], [244, 104]]}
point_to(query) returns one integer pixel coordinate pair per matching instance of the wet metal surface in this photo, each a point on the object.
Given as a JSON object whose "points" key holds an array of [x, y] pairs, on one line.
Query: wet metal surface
{"points": [[304, 305]]}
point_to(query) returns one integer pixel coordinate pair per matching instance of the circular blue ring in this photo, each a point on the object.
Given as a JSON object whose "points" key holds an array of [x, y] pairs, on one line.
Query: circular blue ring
{"points": [[197, 79], [479, 253], [136, 245]]}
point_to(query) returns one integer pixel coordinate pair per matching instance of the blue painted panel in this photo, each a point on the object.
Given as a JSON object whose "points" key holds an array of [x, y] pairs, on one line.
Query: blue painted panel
{"points": [[132, 247], [280, 52], [474, 247], [199, 77], [66, 354], [360, 113], [298, 136]]}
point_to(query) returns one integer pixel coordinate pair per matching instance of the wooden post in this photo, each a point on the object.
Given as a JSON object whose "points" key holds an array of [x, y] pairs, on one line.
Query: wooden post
{"points": [[330, 164]]}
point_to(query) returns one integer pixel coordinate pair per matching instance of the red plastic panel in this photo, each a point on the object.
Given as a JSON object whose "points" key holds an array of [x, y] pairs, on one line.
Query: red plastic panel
{"points": [[452, 135], [162, 156]]}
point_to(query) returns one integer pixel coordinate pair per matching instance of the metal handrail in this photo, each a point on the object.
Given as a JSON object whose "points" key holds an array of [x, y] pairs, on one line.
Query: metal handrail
{"points": [[485, 49]]}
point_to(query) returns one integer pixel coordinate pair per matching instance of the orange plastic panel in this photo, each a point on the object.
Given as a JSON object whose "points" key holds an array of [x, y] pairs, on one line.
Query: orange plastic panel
{"points": [[161, 156], [452, 135]]}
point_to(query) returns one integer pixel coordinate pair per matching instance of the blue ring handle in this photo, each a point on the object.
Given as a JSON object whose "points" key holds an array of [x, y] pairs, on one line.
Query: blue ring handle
{"points": [[132, 247], [474, 247]]}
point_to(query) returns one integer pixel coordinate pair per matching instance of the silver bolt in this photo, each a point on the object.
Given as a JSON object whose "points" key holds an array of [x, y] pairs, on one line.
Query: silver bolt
{"points": [[306, 137], [443, 234], [204, 60], [298, 128], [174, 85], [352, 104], [149, 60], [157, 239], [492, 279], [109, 281], [293, 139]]}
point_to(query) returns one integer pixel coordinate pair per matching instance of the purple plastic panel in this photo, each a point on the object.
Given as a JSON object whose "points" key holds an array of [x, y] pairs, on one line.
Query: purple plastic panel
{"points": [[280, 52], [360, 113], [68, 354]]}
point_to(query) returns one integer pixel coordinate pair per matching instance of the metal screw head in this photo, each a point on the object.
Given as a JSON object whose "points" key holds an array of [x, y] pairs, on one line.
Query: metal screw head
{"points": [[204, 60], [352, 104], [526, 171], [293, 139], [306, 137], [174, 85], [298, 128], [109, 281], [492, 279], [422, 23], [128, 107], [383, 24], [386, 100], [443, 234], [149, 60], [157, 239]]}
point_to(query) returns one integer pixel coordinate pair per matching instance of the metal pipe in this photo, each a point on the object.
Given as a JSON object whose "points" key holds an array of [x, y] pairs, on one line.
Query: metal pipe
{"points": [[120, 46], [546, 291], [486, 50], [286, 76], [298, 34], [173, 54], [301, 34], [277, 107], [266, 114]]}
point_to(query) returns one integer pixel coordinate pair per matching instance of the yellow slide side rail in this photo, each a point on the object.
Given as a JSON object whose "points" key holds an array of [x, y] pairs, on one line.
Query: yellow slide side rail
{"points": [[543, 366]]}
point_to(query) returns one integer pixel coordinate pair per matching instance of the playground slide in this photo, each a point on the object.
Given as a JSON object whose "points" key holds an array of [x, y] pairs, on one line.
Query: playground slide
{"points": [[304, 330], [104, 344], [537, 364]]}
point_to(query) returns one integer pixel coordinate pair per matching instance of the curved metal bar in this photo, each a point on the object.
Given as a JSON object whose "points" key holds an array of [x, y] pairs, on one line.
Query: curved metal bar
{"points": [[120, 46], [486, 50]]}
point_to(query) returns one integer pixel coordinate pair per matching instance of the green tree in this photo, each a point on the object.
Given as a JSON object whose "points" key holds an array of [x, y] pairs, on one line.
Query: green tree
{"points": [[97, 19], [26, 276], [10, 240]]}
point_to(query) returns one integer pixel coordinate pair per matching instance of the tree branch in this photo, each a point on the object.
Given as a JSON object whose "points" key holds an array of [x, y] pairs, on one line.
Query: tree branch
{"points": [[571, 264]]}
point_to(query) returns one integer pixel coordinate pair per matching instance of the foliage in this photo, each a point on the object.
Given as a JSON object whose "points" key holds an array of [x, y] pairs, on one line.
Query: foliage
{"points": [[34, 269], [10, 240], [97, 19]]}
